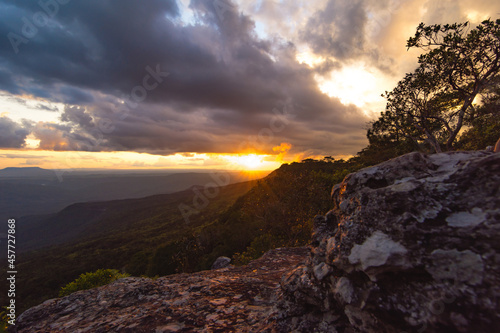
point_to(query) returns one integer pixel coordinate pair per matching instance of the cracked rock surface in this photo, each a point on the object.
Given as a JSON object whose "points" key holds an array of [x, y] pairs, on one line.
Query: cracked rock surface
{"points": [[412, 245], [233, 299]]}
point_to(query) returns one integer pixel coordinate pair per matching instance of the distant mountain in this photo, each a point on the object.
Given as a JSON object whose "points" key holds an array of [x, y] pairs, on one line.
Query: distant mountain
{"points": [[28, 172], [44, 194], [123, 233], [90, 220]]}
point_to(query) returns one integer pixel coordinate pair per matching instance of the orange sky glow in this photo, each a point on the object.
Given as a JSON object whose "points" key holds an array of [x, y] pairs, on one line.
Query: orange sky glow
{"points": [[278, 82]]}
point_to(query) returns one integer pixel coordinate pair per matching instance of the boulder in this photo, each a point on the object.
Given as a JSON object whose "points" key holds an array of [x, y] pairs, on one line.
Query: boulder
{"points": [[221, 262], [411, 245]]}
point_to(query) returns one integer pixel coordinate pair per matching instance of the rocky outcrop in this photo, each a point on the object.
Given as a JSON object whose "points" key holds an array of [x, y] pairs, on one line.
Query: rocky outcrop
{"points": [[412, 245], [236, 299]]}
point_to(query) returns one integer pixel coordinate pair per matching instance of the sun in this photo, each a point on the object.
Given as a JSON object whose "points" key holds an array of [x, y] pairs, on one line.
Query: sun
{"points": [[251, 162], [248, 161]]}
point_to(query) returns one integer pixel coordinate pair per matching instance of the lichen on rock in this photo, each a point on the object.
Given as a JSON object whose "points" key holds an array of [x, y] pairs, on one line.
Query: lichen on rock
{"points": [[377, 254], [411, 245]]}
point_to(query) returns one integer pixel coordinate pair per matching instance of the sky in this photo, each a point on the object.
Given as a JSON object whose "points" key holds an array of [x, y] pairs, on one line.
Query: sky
{"points": [[202, 83]]}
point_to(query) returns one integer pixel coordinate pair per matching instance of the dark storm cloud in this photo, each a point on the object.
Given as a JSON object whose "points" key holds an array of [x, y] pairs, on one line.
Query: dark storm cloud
{"points": [[53, 136], [327, 66], [71, 95], [77, 115], [12, 134], [94, 44], [222, 85], [7, 83]]}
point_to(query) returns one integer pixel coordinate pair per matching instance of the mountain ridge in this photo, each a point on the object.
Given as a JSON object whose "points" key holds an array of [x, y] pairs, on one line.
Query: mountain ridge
{"points": [[22, 196], [19, 172]]}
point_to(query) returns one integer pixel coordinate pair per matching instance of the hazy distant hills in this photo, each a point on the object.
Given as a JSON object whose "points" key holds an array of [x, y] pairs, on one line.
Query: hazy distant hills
{"points": [[34, 191], [26, 172], [90, 220], [87, 236]]}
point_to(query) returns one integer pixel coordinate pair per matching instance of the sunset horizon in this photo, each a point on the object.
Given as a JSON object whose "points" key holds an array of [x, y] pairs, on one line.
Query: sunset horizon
{"points": [[202, 84]]}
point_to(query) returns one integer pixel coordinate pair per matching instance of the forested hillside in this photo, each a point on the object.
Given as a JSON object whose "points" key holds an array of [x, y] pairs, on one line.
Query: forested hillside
{"points": [[120, 234]]}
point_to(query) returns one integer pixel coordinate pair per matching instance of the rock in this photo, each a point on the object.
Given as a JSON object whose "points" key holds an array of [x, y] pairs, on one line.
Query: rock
{"points": [[411, 245], [321, 270], [379, 253], [221, 262], [464, 266], [236, 299]]}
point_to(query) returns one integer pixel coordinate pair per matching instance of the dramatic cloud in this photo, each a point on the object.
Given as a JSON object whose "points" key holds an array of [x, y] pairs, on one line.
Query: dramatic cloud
{"points": [[52, 136], [204, 76], [12, 134], [205, 87]]}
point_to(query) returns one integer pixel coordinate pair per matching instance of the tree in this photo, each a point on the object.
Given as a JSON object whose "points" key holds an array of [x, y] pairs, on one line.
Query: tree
{"points": [[484, 127], [433, 103]]}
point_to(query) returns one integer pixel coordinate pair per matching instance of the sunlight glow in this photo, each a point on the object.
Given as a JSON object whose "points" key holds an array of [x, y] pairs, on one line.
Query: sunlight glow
{"points": [[27, 107], [247, 162], [309, 59], [31, 142], [132, 160], [355, 85], [477, 17]]}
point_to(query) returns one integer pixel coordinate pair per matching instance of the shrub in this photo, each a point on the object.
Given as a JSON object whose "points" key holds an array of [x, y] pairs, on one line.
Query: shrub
{"points": [[91, 280]]}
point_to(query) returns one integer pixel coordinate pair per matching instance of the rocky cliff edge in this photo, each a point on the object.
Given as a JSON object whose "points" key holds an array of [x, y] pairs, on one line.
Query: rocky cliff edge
{"points": [[412, 245], [232, 299]]}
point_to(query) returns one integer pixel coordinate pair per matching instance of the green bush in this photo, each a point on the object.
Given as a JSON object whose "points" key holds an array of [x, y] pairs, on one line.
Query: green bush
{"points": [[91, 280]]}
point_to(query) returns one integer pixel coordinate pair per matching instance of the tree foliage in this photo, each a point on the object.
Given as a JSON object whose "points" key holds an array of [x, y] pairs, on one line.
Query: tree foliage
{"points": [[484, 128], [95, 279], [431, 105]]}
